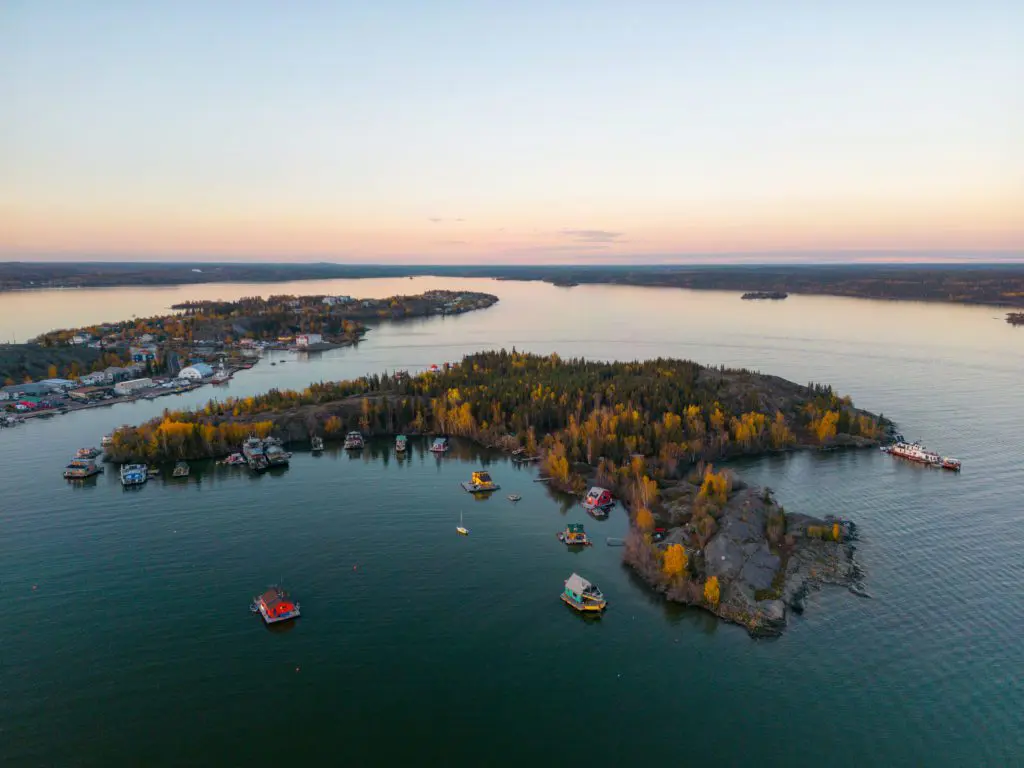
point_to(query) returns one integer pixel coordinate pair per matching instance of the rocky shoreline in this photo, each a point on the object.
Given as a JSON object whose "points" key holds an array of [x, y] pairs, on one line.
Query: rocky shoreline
{"points": [[764, 560]]}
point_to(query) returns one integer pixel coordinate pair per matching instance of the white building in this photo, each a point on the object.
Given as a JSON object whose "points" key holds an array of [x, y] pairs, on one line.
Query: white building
{"points": [[123, 388], [80, 338], [333, 301], [308, 339], [196, 372], [94, 379]]}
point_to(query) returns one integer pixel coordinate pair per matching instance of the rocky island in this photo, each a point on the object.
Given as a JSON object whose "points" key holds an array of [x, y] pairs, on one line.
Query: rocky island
{"points": [[647, 430], [733, 550], [1015, 318]]}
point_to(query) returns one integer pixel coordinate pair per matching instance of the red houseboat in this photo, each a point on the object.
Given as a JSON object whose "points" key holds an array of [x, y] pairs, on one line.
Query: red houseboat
{"points": [[598, 500], [275, 605]]}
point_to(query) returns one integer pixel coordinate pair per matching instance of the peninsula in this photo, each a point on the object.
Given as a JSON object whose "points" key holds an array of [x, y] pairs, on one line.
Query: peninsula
{"points": [[647, 430], [105, 354]]}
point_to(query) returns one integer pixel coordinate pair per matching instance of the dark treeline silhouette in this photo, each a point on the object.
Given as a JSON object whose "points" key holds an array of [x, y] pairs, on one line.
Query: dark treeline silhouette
{"points": [[997, 284]]}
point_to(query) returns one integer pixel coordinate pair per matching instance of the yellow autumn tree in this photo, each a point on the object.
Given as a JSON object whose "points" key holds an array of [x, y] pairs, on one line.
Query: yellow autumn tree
{"points": [[51, 372], [835, 531], [781, 434], [716, 486], [711, 591], [825, 427], [644, 519], [675, 561], [333, 426]]}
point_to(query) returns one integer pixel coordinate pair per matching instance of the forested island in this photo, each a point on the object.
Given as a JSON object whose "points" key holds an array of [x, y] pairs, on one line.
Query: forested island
{"points": [[994, 284], [765, 295], [647, 430], [1015, 318]]}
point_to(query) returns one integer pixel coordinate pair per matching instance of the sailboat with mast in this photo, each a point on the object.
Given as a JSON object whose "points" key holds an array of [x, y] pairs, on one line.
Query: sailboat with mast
{"points": [[461, 529]]}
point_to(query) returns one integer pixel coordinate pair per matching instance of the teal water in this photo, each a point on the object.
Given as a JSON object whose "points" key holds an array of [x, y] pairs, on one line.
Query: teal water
{"points": [[128, 640]]}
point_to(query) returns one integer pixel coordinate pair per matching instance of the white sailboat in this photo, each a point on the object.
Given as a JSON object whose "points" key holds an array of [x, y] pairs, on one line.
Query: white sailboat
{"points": [[461, 529]]}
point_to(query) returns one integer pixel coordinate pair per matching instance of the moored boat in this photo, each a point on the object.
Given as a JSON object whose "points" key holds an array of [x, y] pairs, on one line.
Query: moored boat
{"points": [[401, 444], [276, 455], [480, 482], [181, 469], [82, 467], [598, 501], [440, 445], [354, 441], [918, 453], [574, 536], [134, 475], [514, 497], [580, 595], [255, 455], [107, 440], [275, 605], [87, 453], [460, 528], [222, 376], [316, 443]]}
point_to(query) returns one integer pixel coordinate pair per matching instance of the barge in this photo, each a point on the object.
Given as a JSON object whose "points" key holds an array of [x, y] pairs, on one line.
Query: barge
{"points": [[82, 468], [134, 475]]}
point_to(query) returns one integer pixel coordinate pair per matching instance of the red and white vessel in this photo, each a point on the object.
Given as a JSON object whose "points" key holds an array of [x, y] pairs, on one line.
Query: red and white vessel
{"points": [[275, 605], [917, 452], [598, 501]]}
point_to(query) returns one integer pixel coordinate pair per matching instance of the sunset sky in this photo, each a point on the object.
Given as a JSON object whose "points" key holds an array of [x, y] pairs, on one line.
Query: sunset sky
{"points": [[513, 132]]}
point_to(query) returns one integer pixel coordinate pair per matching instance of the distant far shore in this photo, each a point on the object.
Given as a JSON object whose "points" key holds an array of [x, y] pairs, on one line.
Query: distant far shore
{"points": [[987, 284]]}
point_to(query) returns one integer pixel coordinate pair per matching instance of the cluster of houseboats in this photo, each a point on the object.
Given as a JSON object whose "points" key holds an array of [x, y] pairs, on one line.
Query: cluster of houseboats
{"points": [[918, 453], [276, 605]]}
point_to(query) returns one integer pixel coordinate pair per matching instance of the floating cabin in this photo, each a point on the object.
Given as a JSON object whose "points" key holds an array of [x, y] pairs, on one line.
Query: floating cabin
{"points": [[275, 605], [440, 445], [401, 444], [580, 595], [598, 500], [574, 536], [481, 482]]}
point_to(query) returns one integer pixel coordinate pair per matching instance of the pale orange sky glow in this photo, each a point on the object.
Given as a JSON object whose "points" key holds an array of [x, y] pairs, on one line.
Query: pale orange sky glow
{"points": [[652, 141]]}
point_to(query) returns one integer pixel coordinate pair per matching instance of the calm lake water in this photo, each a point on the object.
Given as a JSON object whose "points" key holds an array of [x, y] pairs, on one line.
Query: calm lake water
{"points": [[129, 642]]}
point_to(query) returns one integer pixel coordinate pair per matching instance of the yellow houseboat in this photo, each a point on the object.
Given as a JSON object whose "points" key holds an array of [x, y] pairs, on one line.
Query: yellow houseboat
{"points": [[481, 482], [574, 536], [580, 595]]}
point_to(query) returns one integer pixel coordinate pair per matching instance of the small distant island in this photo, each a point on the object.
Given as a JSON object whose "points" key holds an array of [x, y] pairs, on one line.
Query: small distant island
{"points": [[646, 430], [1015, 318], [760, 295]]}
